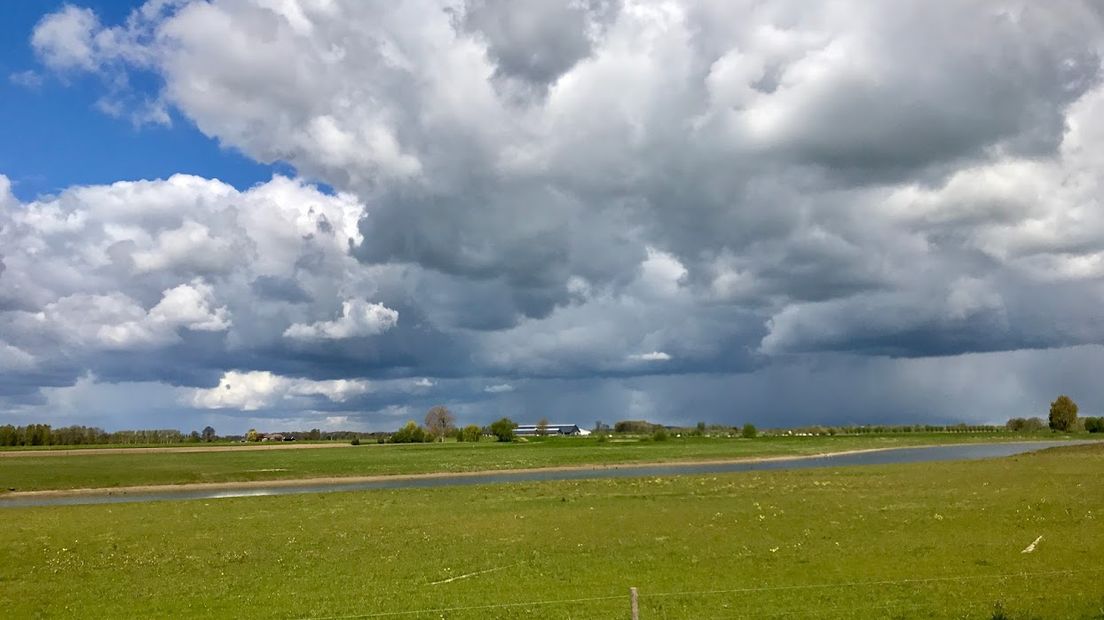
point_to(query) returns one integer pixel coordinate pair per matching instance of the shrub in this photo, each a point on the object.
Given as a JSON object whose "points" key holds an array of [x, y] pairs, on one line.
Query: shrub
{"points": [[1094, 425], [1024, 424], [636, 427], [1063, 414], [749, 431], [470, 432], [411, 433], [355, 441], [603, 438], [503, 429], [660, 435]]}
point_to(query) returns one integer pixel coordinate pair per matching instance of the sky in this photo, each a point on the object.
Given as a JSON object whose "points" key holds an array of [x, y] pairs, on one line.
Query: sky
{"points": [[288, 214]]}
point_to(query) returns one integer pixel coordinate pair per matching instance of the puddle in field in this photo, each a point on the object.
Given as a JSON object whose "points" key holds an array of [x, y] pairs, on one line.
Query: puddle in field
{"points": [[880, 457]]}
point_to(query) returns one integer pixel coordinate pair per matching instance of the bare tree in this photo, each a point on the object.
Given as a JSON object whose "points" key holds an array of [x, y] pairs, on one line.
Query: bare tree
{"points": [[542, 427], [439, 421]]}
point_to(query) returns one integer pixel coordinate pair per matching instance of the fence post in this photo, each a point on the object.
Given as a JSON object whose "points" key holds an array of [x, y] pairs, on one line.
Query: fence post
{"points": [[635, 607]]}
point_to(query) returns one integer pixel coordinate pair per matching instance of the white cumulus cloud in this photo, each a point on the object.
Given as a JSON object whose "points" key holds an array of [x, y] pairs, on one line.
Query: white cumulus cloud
{"points": [[653, 356], [249, 391], [358, 318]]}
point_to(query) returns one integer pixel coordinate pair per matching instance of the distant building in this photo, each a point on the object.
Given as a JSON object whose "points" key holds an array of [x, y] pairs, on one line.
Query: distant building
{"points": [[550, 429]]}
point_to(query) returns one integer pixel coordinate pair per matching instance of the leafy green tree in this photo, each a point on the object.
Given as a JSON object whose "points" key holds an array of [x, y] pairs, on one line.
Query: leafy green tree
{"points": [[209, 434], [749, 431], [503, 429], [1094, 425], [471, 432], [1063, 414], [252, 435], [439, 422], [39, 434], [194, 437]]}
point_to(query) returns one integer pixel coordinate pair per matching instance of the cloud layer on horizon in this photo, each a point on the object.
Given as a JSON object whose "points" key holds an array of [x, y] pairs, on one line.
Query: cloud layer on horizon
{"points": [[669, 207]]}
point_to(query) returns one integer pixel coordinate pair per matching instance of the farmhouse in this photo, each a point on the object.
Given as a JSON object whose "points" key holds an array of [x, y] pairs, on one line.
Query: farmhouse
{"points": [[550, 429]]}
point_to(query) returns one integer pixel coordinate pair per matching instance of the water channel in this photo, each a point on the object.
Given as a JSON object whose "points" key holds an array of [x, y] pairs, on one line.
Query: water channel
{"points": [[889, 456]]}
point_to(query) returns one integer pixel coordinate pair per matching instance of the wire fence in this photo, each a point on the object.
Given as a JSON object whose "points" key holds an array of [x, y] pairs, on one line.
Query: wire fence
{"points": [[804, 610]]}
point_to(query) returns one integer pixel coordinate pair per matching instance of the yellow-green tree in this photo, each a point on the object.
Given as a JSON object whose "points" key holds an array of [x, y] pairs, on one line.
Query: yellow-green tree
{"points": [[471, 432], [1063, 414]]}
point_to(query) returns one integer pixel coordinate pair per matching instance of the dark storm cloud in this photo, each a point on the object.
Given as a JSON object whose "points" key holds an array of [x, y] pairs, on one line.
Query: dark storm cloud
{"points": [[537, 42], [281, 289]]}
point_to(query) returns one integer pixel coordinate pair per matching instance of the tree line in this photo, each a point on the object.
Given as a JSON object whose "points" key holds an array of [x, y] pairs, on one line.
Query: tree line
{"points": [[440, 423], [46, 435]]}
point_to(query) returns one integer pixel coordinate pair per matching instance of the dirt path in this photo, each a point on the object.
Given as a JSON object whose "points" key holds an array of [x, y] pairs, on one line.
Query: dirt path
{"points": [[219, 448]]}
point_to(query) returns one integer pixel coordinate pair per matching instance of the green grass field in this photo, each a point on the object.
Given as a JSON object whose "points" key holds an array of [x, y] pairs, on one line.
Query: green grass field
{"points": [[940, 540], [68, 471]]}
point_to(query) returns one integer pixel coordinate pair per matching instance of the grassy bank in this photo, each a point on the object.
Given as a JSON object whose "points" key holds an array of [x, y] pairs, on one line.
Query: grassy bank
{"points": [[66, 471], [907, 541]]}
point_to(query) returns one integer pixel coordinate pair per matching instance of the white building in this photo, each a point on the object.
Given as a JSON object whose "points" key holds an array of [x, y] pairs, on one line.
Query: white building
{"points": [[550, 429]]}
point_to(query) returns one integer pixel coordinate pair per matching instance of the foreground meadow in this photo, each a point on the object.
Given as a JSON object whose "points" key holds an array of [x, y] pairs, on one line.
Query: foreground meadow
{"points": [[28, 471], [942, 540]]}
